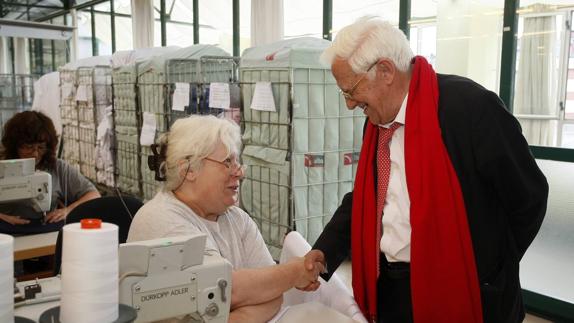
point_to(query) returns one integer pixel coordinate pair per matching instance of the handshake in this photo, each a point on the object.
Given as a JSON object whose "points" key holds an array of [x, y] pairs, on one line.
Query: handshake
{"points": [[309, 268]]}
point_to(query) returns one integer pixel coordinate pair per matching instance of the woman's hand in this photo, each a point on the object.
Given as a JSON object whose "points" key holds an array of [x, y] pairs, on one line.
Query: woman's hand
{"points": [[57, 215], [13, 219], [308, 273]]}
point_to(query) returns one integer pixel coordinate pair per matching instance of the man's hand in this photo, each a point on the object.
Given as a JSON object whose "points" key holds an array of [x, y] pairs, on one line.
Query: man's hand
{"points": [[307, 274], [314, 259], [57, 215], [13, 219]]}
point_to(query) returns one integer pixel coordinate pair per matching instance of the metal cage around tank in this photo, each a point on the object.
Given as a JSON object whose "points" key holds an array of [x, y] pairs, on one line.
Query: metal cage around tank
{"points": [[16, 95], [302, 157]]}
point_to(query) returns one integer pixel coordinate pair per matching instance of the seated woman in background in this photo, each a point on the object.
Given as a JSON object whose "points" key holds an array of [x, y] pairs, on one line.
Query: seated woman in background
{"points": [[31, 134], [199, 161]]}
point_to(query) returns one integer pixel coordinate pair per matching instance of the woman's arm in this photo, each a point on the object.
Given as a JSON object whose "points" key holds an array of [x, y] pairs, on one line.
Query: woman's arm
{"points": [[256, 313], [13, 219], [61, 213], [260, 285]]}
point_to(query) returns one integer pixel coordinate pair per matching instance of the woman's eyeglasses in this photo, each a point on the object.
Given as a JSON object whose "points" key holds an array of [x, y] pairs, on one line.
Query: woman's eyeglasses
{"points": [[230, 163], [30, 148]]}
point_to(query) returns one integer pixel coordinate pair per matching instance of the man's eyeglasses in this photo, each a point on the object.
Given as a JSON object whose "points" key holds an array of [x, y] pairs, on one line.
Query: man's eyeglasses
{"points": [[30, 148], [349, 94], [230, 163]]}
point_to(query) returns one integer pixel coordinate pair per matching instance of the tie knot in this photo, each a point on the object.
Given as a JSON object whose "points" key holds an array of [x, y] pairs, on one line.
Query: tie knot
{"points": [[385, 134]]}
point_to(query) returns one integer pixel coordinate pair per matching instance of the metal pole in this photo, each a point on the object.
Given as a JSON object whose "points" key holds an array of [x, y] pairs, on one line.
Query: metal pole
{"points": [[404, 17], [508, 56], [94, 42], [162, 23], [196, 21], [113, 25], [327, 19], [236, 23]]}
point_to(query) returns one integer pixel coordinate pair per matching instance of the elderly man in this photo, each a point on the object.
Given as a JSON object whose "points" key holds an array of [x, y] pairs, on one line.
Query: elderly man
{"points": [[447, 196]]}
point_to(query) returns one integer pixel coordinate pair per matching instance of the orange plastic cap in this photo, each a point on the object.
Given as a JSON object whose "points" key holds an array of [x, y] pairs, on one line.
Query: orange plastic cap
{"points": [[91, 223]]}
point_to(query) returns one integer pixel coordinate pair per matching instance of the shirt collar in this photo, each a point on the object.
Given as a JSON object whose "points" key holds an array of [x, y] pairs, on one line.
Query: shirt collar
{"points": [[400, 118]]}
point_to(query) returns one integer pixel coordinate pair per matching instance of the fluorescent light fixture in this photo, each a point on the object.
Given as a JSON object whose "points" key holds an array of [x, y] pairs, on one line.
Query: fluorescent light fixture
{"points": [[34, 30]]}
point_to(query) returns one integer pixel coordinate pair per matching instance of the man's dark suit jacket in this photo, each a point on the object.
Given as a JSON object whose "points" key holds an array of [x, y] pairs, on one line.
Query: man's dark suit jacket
{"points": [[504, 191]]}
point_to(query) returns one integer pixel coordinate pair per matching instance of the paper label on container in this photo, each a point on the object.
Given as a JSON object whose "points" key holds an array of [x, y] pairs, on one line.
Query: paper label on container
{"points": [[180, 97], [263, 97], [147, 135], [82, 93], [219, 95]]}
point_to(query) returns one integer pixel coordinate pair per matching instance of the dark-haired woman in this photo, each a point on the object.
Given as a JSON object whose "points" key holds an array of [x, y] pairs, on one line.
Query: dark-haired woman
{"points": [[31, 134]]}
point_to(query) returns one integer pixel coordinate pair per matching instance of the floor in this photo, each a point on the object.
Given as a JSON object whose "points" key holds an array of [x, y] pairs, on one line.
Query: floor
{"points": [[344, 272]]}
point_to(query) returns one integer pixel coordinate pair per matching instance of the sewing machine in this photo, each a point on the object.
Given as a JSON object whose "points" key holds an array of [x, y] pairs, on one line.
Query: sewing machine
{"points": [[172, 277], [19, 181]]}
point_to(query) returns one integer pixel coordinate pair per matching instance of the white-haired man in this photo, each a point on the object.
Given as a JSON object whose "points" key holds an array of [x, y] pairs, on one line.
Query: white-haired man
{"points": [[199, 159], [447, 196]]}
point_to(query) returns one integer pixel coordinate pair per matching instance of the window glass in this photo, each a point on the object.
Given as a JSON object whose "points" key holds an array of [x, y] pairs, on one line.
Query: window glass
{"points": [[423, 41], [84, 34], [61, 53], [104, 6], [216, 24], [179, 34], [180, 25], [460, 38], [303, 18], [47, 55], [543, 74], [346, 12], [123, 6], [103, 34], [569, 106], [124, 38], [156, 24]]}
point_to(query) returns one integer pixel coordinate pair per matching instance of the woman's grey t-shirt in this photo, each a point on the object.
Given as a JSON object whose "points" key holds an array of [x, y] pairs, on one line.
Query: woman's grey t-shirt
{"points": [[234, 235]]}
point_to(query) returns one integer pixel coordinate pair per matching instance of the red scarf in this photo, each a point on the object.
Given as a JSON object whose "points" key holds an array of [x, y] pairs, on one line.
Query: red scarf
{"points": [[444, 281]]}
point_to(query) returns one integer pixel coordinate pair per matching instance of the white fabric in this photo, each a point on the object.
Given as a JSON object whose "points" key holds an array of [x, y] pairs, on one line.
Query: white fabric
{"points": [[234, 236], [47, 98], [104, 150], [396, 239], [536, 82], [142, 23], [129, 57], [301, 52], [105, 60], [266, 21], [333, 294], [310, 312], [190, 52]]}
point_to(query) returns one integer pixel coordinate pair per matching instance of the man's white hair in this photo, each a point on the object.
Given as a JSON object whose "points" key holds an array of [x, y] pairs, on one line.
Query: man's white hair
{"points": [[366, 41], [192, 139]]}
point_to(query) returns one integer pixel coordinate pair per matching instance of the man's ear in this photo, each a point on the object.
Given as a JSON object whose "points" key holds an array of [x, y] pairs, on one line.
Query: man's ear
{"points": [[386, 71]]}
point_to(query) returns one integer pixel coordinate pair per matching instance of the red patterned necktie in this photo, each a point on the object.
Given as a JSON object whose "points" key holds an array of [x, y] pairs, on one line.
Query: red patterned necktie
{"points": [[384, 165]]}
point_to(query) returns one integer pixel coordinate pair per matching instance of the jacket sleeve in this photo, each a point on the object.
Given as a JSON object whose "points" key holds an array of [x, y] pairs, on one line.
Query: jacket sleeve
{"points": [[504, 160], [335, 240]]}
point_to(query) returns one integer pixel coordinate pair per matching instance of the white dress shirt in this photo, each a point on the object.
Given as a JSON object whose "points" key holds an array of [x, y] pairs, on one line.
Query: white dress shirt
{"points": [[396, 238]]}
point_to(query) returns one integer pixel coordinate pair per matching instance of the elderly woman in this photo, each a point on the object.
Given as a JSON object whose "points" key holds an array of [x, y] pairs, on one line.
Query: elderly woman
{"points": [[31, 134], [202, 175]]}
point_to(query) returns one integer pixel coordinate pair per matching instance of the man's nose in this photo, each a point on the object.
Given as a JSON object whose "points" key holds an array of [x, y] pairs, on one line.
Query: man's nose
{"points": [[351, 104]]}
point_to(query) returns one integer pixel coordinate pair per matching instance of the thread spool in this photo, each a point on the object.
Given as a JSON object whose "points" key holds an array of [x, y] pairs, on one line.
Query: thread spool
{"points": [[90, 272], [6, 278]]}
